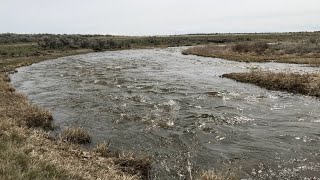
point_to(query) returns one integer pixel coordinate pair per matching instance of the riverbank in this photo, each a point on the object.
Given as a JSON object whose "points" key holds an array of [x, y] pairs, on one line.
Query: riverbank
{"points": [[282, 52], [306, 84], [9, 64]]}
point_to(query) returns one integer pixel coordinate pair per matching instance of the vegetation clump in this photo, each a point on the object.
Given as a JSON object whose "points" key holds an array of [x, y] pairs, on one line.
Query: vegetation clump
{"points": [[258, 47], [127, 161], [130, 163], [76, 135], [103, 150], [213, 175], [36, 116], [307, 84]]}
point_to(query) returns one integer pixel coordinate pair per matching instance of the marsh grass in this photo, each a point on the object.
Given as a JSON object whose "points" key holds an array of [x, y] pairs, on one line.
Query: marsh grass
{"points": [[307, 84], [76, 135]]}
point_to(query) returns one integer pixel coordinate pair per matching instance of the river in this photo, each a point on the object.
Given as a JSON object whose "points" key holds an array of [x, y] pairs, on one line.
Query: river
{"points": [[179, 110]]}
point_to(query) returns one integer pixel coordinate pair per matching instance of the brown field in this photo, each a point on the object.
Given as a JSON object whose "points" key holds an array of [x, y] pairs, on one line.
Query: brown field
{"points": [[307, 84]]}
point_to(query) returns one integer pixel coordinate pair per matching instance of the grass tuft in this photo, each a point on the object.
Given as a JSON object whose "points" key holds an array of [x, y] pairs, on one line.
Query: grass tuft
{"points": [[76, 135], [133, 164], [103, 150], [213, 175], [36, 116]]}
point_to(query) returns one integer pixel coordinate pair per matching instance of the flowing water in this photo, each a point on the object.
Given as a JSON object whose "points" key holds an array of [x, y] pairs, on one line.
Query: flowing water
{"points": [[179, 110]]}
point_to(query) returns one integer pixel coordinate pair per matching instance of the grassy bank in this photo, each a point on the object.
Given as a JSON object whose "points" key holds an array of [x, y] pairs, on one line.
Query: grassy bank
{"points": [[307, 84], [305, 50], [35, 55], [261, 52]]}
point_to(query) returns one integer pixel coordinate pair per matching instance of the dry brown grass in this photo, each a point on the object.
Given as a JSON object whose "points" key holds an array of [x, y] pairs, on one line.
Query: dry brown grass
{"points": [[103, 150], [213, 175], [127, 161], [131, 163], [261, 52], [30, 154], [36, 116], [4, 85], [76, 135], [16, 160], [16, 106], [307, 84]]}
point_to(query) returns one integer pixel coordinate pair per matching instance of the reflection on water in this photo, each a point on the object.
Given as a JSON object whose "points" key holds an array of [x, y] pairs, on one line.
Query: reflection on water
{"points": [[177, 109]]}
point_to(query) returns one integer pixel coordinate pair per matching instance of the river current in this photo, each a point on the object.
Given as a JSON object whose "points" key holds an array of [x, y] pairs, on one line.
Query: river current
{"points": [[180, 111]]}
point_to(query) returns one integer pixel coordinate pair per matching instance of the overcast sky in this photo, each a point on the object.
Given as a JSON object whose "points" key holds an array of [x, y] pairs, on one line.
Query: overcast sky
{"points": [[158, 17]]}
